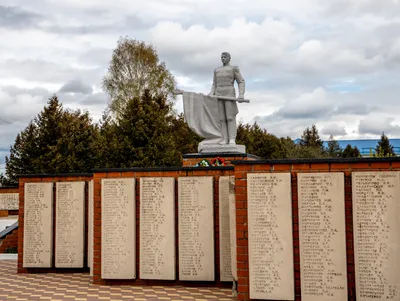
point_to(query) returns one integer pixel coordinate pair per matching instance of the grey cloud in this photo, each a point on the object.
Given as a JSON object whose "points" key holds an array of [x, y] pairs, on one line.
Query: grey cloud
{"points": [[17, 18], [76, 86], [124, 24], [95, 99], [36, 91], [45, 71], [353, 109], [96, 56], [282, 127], [375, 125], [334, 129]]}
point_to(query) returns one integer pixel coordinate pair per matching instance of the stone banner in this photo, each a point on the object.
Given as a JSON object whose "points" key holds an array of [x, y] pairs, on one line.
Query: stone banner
{"points": [[70, 224], [322, 229], [376, 223], [270, 236], [38, 225], [9, 201], [196, 228], [157, 228], [118, 229], [225, 260]]}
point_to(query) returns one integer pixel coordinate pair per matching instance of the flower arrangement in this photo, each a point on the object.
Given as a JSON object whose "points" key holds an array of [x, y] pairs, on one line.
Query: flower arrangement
{"points": [[203, 163], [218, 161]]}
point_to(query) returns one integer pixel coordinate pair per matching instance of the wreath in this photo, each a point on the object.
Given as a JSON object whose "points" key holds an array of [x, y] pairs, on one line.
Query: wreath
{"points": [[218, 161]]}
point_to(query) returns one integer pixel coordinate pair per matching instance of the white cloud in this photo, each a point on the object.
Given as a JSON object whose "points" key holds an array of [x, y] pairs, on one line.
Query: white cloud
{"points": [[330, 63]]}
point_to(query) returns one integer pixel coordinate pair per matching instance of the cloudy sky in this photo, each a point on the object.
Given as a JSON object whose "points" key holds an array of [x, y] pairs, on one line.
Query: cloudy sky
{"points": [[330, 63]]}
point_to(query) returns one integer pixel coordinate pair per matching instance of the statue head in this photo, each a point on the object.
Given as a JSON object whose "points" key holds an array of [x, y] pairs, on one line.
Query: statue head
{"points": [[225, 57]]}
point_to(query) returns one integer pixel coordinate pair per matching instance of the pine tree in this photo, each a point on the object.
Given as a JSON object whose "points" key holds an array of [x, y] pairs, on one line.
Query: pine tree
{"points": [[311, 145], [311, 138], [259, 142], [186, 140], [351, 152], [384, 148], [141, 136], [333, 150], [56, 141]]}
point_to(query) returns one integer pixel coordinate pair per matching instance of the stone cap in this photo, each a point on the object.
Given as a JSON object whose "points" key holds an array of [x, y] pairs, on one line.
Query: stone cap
{"points": [[317, 160], [225, 155], [59, 175], [177, 168]]}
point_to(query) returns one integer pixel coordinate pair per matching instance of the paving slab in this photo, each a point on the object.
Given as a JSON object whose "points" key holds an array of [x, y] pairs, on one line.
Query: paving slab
{"points": [[77, 286]]}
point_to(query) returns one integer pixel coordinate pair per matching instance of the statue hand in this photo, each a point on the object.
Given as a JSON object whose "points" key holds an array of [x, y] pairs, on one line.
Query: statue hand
{"points": [[240, 98]]}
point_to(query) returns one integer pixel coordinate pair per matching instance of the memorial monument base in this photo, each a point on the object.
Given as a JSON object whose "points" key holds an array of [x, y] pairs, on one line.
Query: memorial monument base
{"points": [[221, 148], [195, 158]]}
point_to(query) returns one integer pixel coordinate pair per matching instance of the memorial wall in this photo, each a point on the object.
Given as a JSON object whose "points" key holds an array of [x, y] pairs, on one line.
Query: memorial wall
{"points": [[157, 228], [232, 226], [270, 236], [118, 231], [9, 201], [70, 224], [90, 226], [196, 229], [285, 230], [376, 211], [38, 225], [225, 253], [322, 229]]}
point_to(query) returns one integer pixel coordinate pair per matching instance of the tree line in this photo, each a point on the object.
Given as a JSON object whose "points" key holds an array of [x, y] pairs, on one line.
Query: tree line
{"points": [[140, 127]]}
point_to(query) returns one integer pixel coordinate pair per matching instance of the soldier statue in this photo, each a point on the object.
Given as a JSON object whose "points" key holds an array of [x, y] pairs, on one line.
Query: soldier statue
{"points": [[223, 85]]}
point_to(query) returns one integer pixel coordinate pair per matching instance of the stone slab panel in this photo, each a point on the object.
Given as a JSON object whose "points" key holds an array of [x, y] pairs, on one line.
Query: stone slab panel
{"points": [[9, 201], [232, 229], [157, 228], [38, 225], [118, 229], [225, 260], [196, 229], [270, 236], [322, 230], [90, 226], [70, 224], [376, 223]]}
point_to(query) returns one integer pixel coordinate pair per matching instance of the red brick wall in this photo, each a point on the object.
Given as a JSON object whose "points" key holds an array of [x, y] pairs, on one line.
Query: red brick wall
{"points": [[11, 241], [52, 179], [187, 162], [346, 166], [216, 173]]}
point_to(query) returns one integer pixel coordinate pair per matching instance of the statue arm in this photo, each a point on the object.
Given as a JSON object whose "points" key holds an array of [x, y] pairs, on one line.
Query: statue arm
{"points": [[240, 81], [214, 84]]}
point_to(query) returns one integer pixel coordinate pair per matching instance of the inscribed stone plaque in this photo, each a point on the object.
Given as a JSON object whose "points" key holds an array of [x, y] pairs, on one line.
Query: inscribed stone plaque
{"points": [[225, 262], [196, 228], [70, 224], [9, 201], [118, 229], [90, 227], [322, 229], [38, 225], [270, 236], [232, 222], [157, 228], [376, 211]]}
